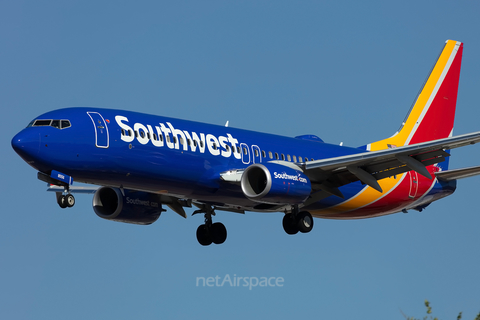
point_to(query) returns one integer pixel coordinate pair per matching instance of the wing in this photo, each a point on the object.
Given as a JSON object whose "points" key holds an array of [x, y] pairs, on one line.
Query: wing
{"points": [[328, 174]]}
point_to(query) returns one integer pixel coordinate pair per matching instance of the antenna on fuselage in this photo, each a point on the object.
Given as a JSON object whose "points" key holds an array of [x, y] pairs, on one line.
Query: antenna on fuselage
{"points": [[226, 124]]}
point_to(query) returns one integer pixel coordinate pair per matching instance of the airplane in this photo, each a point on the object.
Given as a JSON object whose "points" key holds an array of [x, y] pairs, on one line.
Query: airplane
{"points": [[138, 164]]}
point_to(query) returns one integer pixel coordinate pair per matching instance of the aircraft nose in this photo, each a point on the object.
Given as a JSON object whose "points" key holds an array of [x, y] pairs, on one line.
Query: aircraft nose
{"points": [[26, 144]]}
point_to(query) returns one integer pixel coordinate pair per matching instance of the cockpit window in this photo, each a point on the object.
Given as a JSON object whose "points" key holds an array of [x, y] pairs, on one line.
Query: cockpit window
{"points": [[65, 124], [59, 124], [55, 124], [41, 123]]}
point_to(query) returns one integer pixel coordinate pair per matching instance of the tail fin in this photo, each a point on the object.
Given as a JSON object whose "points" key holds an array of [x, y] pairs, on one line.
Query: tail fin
{"points": [[433, 112]]}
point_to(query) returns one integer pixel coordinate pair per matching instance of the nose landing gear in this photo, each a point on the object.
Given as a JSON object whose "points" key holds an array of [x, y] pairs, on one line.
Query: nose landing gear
{"points": [[65, 200]]}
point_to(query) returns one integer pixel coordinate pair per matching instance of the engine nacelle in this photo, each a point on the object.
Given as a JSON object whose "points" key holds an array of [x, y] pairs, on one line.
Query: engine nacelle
{"points": [[130, 207], [275, 184]]}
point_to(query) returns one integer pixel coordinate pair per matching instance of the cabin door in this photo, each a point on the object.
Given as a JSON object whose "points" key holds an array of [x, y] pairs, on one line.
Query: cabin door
{"points": [[413, 184], [101, 130]]}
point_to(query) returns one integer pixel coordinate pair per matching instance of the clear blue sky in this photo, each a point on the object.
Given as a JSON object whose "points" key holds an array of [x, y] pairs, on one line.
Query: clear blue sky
{"points": [[346, 71]]}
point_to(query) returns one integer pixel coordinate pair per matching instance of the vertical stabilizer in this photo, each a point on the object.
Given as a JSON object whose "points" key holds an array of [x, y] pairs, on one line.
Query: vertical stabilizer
{"points": [[433, 113]]}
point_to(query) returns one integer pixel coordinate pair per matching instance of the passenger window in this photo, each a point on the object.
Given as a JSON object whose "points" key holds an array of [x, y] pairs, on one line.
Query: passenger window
{"points": [[306, 159], [130, 133], [244, 150], [195, 143], [227, 148], [288, 157], [270, 155], [136, 134], [123, 132], [256, 153], [283, 156], [238, 149], [264, 154], [142, 134], [276, 155], [160, 137], [155, 137], [168, 138], [294, 158]]}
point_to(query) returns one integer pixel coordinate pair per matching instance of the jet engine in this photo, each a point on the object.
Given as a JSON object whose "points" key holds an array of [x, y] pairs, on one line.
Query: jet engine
{"points": [[128, 206], [274, 183]]}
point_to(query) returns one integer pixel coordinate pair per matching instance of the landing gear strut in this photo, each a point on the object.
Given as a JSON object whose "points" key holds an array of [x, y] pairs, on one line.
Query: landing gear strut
{"points": [[297, 221], [210, 232]]}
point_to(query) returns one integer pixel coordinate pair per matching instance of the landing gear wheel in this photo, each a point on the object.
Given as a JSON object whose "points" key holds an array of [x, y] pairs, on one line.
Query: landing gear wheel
{"points": [[69, 200], [203, 236], [219, 233], [210, 232], [304, 222], [62, 202], [290, 224]]}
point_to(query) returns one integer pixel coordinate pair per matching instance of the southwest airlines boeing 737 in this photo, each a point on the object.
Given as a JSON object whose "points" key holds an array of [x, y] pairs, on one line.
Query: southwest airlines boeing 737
{"points": [[141, 163]]}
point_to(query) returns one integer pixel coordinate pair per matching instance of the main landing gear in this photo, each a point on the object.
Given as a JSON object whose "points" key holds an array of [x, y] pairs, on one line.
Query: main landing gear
{"points": [[297, 221], [65, 200], [210, 232]]}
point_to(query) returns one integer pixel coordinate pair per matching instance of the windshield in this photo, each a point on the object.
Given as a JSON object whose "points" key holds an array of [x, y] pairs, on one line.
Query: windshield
{"points": [[59, 124]]}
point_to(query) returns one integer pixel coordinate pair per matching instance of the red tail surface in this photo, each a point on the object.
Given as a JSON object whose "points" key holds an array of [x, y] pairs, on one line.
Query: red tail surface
{"points": [[433, 113]]}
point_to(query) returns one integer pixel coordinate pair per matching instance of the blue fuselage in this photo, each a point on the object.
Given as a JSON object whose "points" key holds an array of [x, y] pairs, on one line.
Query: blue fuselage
{"points": [[163, 155]]}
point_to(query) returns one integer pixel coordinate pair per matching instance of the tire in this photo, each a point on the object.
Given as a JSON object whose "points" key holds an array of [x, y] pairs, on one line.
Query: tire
{"points": [[203, 236], [70, 200], [219, 233], [289, 224], [304, 222], [62, 202]]}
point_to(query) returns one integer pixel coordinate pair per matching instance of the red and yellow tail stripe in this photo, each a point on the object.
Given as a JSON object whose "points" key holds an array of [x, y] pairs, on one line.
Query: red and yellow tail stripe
{"points": [[431, 118]]}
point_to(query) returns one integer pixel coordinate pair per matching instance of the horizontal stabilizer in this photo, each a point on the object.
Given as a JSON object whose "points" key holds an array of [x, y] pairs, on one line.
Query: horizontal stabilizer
{"points": [[455, 174]]}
